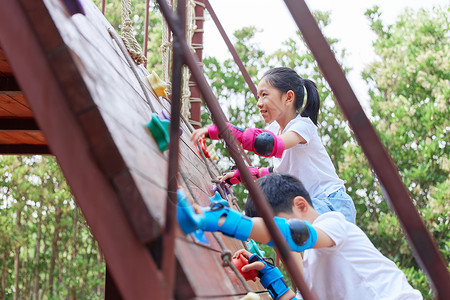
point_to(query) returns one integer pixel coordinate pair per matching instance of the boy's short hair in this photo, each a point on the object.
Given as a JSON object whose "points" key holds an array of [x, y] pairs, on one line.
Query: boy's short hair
{"points": [[280, 189]]}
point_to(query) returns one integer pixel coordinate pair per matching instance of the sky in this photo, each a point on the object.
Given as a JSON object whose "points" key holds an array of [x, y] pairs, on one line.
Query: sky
{"points": [[348, 24]]}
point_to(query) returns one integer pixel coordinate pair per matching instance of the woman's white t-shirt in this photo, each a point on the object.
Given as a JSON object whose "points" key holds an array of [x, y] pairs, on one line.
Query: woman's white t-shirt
{"points": [[353, 269], [308, 162]]}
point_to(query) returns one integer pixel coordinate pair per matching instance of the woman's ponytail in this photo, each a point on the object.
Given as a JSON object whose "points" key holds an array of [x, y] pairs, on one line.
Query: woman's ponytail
{"points": [[311, 108]]}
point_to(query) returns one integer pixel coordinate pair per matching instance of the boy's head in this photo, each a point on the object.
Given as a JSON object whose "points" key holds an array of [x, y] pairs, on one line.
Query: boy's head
{"points": [[280, 190]]}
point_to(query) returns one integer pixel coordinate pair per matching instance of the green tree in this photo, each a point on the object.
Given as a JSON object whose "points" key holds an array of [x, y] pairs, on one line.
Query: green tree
{"points": [[409, 97], [46, 249]]}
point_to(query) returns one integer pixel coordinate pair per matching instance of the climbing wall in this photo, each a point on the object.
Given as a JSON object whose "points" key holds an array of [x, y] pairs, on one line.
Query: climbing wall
{"points": [[93, 112]]}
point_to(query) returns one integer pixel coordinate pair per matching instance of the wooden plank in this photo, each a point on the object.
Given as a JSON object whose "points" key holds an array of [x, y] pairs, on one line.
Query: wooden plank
{"points": [[15, 138], [207, 275], [128, 260], [12, 107]]}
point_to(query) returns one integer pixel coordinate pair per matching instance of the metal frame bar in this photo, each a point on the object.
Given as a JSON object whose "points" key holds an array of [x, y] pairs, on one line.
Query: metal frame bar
{"points": [[219, 118], [168, 255], [422, 243]]}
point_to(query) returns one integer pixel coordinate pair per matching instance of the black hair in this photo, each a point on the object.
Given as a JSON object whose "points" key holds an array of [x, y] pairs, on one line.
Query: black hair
{"points": [[280, 190], [286, 79]]}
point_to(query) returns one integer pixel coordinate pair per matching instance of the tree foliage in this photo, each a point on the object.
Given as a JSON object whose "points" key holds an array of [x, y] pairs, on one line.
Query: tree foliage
{"points": [[409, 92], [46, 248], [409, 97]]}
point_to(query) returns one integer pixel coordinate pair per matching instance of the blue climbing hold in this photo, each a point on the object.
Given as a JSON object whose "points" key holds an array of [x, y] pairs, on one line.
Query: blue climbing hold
{"points": [[218, 198]]}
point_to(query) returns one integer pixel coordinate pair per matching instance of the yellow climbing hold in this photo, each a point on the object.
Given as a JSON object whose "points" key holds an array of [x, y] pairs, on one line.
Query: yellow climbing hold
{"points": [[212, 152], [157, 84], [250, 296]]}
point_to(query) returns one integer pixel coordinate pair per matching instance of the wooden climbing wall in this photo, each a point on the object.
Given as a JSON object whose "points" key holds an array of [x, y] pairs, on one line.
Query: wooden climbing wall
{"points": [[92, 112]]}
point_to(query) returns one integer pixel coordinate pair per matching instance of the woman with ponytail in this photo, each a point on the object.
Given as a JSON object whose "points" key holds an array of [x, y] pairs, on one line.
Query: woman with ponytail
{"points": [[290, 104]]}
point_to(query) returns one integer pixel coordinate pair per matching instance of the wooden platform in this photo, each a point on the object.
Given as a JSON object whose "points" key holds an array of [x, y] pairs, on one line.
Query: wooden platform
{"points": [[82, 94]]}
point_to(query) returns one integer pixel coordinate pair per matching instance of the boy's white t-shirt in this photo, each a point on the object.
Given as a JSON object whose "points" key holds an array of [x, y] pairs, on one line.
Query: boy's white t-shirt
{"points": [[353, 269], [308, 162]]}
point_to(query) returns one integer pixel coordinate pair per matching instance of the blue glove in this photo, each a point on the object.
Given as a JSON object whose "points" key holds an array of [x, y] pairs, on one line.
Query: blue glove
{"points": [[270, 278]]}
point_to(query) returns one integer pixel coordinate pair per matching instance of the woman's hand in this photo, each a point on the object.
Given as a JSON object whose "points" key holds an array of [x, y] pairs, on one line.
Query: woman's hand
{"points": [[198, 133]]}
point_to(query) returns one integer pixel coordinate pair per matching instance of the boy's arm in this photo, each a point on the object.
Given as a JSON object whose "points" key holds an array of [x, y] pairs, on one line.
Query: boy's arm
{"points": [[300, 235], [260, 234]]}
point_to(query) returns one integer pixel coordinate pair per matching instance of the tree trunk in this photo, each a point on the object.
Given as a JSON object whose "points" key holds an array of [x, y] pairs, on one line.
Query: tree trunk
{"points": [[3, 278], [54, 250], [74, 247], [17, 259], [37, 258]]}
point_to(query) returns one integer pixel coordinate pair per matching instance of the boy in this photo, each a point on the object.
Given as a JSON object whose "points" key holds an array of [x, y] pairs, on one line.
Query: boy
{"points": [[340, 262]]}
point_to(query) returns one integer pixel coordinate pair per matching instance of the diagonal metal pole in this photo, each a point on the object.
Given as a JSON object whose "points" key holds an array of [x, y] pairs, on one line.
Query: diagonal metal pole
{"points": [[168, 254], [423, 245], [219, 118]]}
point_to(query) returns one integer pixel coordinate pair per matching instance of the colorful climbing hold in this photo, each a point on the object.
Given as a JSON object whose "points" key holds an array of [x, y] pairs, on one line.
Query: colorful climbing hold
{"points": [[241, 261], [253, 248], [218, 198], [157, 84], [165, 116], [160, 131], [202, 143], [74, 7], [212, 152]]}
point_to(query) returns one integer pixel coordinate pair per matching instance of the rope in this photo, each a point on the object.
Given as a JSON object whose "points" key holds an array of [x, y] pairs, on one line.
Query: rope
{"points": [[226, 254], [114, 36], [128, 37], [165, 49]]}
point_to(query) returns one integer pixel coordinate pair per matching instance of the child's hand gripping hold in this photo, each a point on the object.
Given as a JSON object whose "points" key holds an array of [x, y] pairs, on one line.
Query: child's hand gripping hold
{"points": [[270, 276], [234, 176]]}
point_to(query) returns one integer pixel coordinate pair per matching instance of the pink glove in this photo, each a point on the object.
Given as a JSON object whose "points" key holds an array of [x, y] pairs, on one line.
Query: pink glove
{"points": [[260, 141], [213, 132], [255, 171]]}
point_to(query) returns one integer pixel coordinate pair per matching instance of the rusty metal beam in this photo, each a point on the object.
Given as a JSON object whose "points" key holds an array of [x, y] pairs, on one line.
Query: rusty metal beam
{"points": [[423, 245], [33, 44], [168, 255], [231, 48], [219, 118]]}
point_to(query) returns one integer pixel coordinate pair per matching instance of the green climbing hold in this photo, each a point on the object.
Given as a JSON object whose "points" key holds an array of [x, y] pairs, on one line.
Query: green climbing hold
{"points": [[160, 131], [253, 248]]}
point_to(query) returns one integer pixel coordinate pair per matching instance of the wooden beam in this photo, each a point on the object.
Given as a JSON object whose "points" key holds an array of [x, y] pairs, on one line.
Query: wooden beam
{"points": [[20, 149], [32, 43], [9, 86], [21, 125]]}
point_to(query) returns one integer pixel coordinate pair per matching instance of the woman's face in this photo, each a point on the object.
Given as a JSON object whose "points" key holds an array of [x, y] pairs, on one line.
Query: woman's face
{"points": [[270, 101]]}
